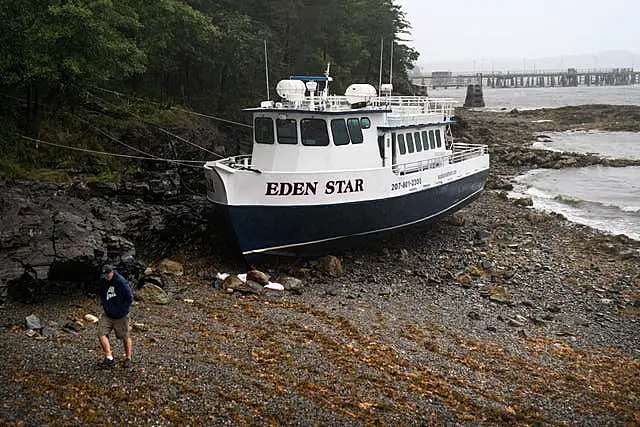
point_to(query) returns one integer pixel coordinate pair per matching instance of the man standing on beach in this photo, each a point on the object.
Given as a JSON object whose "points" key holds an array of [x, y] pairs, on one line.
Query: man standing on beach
{"points": [[116, 298]]}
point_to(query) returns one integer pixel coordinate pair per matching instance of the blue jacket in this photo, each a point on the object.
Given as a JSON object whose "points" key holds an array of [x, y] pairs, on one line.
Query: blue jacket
{"points": [[116, 296]]}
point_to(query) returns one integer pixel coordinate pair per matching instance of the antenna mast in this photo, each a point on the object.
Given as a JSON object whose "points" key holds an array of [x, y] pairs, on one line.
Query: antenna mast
{"points": [[381, 50], [391, 65], [266, 67]]}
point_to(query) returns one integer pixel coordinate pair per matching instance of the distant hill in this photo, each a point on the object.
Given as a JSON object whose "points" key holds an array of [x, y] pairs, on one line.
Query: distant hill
{"points": [[608, 59]]}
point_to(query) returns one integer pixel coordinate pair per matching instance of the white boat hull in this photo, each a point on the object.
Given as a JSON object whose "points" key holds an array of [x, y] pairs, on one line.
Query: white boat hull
{"points": [[298, 211]]}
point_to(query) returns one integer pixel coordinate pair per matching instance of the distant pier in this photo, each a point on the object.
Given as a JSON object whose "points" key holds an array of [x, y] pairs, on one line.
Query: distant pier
{"points": [[540, 78]]}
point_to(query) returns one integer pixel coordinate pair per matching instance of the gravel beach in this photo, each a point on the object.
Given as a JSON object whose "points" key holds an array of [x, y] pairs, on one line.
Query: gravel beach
{"points": [[499, 314]]}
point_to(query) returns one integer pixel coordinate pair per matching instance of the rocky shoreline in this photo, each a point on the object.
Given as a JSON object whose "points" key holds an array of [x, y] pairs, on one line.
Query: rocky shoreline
{"points": [[499, 314]]}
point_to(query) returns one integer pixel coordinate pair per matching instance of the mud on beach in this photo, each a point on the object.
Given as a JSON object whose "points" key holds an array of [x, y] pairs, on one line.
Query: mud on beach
{"points": [[498, 315]]}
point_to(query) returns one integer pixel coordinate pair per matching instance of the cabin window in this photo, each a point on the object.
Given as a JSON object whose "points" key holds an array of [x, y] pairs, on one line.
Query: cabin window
{"points": [[287, 132], [314, 132], [381, 146], [432, 140], [438, 138], [409, 139], [339, 132], [401, 145], [417, 141], [263, 130], [425, 140], [355, 131], [365, 123]]}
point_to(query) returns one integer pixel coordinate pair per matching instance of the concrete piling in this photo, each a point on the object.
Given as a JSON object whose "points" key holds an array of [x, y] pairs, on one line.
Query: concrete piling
{"points": [[474, 97]]}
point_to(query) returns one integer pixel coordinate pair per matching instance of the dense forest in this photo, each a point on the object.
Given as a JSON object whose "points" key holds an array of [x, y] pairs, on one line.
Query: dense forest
{"points": [[60, 60]]}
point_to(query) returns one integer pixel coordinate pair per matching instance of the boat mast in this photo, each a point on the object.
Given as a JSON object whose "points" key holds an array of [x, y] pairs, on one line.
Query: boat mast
{"points": [[266, 67], [381, 50], [391, 65], [325, 92]]}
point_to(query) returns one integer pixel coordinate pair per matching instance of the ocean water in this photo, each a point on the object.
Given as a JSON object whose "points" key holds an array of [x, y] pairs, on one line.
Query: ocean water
{"points": [[533, 98], [601, 197], [617, 145], [604, 198]]}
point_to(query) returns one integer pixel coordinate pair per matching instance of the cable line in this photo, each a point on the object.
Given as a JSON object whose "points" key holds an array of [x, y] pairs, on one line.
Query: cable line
{"points": [[86, 150], [157, 126], [111, 137], [174, 108]]}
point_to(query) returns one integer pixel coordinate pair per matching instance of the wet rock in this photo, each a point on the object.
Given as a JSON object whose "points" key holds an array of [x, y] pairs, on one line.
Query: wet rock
{"points": [[90, 318], [523, 201], [167, 266], [500, 295], [476, 271], [73, 326], [457, 219], [33, 322], [153, 294], [231, 282], [331, 266], [50, 332], [291, 284], [152, 279], [258, 277], [464, 279], [536, 217], [139, 327], [250, 287], [55, 243]]}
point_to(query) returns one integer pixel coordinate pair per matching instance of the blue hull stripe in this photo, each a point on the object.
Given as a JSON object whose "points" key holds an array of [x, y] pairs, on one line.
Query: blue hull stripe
{"points": [[270, 228]]}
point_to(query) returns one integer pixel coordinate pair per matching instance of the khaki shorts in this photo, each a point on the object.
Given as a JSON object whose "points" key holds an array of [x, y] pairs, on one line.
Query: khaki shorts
{"points": [[120, 326]]}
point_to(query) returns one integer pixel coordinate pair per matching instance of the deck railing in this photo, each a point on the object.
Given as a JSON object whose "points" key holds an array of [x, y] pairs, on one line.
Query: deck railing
{"points": [[416, 104], [460, 153]]}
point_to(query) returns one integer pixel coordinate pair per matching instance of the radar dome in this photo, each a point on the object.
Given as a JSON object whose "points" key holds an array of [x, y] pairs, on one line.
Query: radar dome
{"points": [[360, 92], [291, 90]]}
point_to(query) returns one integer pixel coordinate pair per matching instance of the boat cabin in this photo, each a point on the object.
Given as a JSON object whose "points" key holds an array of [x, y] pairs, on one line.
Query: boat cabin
{"points": [[356, 131]]}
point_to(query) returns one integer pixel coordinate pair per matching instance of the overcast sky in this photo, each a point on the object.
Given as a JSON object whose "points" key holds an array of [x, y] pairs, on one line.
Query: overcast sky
{"points": [[520, 29]]}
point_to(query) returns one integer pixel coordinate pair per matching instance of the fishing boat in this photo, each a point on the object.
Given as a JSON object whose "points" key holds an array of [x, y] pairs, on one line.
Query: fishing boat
{"points": [[325, 167]]}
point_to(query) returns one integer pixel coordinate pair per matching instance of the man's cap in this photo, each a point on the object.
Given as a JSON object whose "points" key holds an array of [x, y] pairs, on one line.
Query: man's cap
{"points": [[106, 269]]}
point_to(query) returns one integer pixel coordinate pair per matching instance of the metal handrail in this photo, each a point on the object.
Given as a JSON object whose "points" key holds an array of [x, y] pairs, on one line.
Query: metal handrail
{"points": [[460, 153], [421, 104]]}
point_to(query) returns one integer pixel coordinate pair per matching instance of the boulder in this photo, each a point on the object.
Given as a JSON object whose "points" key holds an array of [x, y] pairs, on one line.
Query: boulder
{"points": [[231, 282], [258, 277], [153, 294], [33, 322], [167, 266], [53, 242], [291, 284], [331, 266], [250, 287], [457, 219]]}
